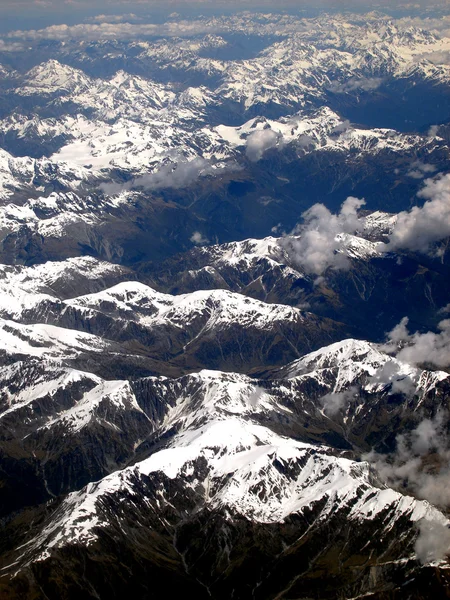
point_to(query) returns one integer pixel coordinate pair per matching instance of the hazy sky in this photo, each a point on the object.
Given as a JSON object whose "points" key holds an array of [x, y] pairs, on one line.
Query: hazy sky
{"points": [[47, 8], [36, 14]]}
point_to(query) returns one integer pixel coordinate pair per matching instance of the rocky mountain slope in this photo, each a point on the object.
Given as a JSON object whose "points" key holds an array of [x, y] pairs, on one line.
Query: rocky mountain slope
{"points": [[224, 290], [237, 456]]}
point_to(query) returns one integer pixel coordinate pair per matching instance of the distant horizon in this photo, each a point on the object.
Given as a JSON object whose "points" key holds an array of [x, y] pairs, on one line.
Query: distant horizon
{"points": [[39, 14]]}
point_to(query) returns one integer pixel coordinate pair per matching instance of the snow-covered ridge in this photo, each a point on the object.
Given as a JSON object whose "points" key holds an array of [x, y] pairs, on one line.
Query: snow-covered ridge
{"points": [[42, 340], [139, 145], [378, 224], [243, 475], [188, 404], [323, 129], [139, 302], [58, 278], [29, 175], [33, 382], [94, 404], [24, 290], [275, 250], [79, 337], [215, 443], [357, 362], [51, 77], [162, 333]]}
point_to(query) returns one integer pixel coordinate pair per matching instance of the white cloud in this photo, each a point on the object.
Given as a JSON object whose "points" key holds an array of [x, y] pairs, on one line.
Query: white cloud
{"points": [[247, 22], [433, 542], [437, 58], [10, 46], [198, 238], [445, 309], [183, 174], [256, 396], [126, 18], [173, 175], [420, 227], [260, 141], [342, 127], [433, 131], [319, 245], [335, 402], [437, 25], [409, 470], [407, 467], [428, 348], [400, 332], [259, 23], [391, 374], [421, 348], [366, 84], [116, 29], [87, 31], [419, 169]]}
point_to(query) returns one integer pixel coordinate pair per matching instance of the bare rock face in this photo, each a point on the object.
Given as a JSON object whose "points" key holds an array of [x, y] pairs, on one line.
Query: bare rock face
{"points": [[199, 393], [269, 270], [224, 488], [230, 519]]}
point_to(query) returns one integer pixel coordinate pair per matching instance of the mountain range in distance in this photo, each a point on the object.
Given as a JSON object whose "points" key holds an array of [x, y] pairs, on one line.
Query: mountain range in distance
{"points": [[224, 300]]}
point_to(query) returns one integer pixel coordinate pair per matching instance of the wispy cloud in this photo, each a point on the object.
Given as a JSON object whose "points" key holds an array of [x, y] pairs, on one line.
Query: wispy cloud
{"points": [[125, 18], [319, 245], [418, 169], [198, 238], [420, 466], [259, 142], [364, 84], [439, 25], [420, 227], [129, 26], [433, 542], [174, 175], [117, 28], [336, 402], [420, 348], [392, 374], [10, 46]]}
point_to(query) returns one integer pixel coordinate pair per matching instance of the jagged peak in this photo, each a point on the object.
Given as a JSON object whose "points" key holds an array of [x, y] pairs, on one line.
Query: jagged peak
{"points": [[53, 75]]}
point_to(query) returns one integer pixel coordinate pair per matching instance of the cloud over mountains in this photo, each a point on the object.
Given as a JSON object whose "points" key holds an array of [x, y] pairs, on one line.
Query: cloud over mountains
{"points": [[422, 226], [318, 246]]}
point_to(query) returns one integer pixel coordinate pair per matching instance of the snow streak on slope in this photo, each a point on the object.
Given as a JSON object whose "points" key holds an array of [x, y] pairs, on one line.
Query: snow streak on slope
{"points": [[357, 362], [250, 470], [47, 340], [142, 303], [106, 409]]}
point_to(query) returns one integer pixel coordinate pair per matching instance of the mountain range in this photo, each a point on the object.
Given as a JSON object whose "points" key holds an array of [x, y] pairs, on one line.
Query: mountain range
{"points": [[224, 290]]}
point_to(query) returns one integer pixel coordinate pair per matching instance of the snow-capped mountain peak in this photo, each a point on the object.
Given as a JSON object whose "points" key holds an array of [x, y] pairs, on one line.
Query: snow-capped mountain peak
{"points": [[51, 77]]}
